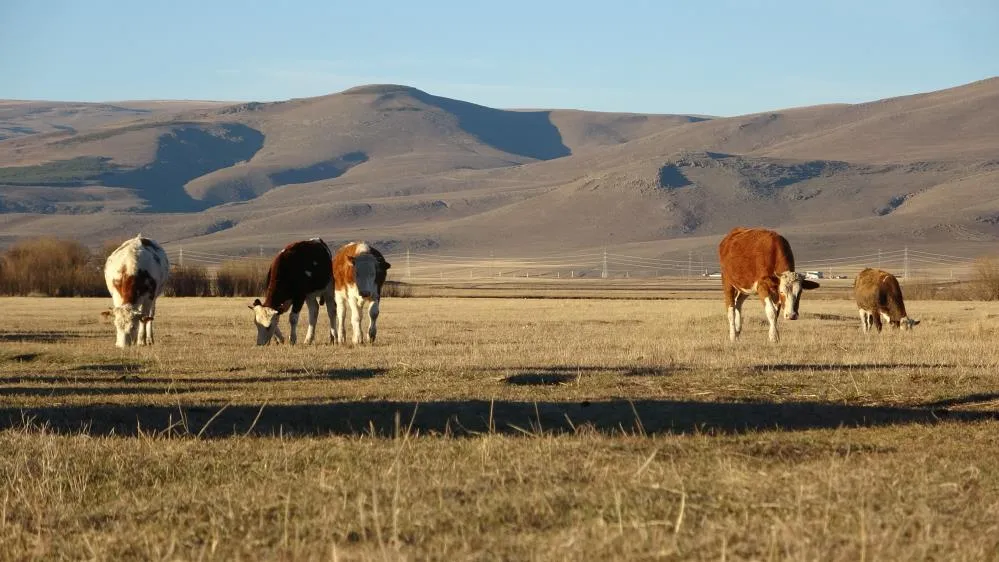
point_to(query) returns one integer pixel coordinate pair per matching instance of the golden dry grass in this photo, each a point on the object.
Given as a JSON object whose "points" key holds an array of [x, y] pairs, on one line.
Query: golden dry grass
{"points": [[501, 429]]}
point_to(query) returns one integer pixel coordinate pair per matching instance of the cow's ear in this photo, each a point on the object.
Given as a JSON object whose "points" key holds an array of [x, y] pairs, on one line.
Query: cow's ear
{"points": [[386, 264], [256, 302], [808, 285], [351, 259]]}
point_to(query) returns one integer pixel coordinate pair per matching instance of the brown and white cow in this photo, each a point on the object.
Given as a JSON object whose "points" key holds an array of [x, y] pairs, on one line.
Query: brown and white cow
{"points": [[756, 260], [879, 298], [359, 272], [301, 273], [135, 274]]}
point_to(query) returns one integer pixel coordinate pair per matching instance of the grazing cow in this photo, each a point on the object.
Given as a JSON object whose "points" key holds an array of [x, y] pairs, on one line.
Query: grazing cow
{"points": [[135, 274], [879, 298], [301, 273], [358, 272], [756, 260]]}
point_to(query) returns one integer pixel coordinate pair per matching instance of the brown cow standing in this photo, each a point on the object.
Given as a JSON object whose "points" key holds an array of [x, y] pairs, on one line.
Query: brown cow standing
{"points": [[301, 273], [756, 260], [879, 298], [359, 271]]}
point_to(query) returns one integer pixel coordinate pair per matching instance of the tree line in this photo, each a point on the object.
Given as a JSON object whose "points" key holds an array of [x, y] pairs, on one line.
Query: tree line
{"points": [[54, 267]]}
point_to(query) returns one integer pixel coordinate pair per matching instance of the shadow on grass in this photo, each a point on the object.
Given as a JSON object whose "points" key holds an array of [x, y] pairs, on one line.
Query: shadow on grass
{"points": [[962, 400], [111, 367], [541, 376], [845, 367], [57, 391], [133, 376], [540, 379], [470, 417], [42, 337]]}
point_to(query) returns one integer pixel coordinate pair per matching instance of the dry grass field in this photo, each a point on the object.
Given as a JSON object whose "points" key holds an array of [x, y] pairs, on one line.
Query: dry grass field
{"points": [[501, 429]]}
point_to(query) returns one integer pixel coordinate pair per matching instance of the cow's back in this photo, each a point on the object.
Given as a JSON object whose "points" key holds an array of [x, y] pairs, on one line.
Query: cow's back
{"points": [[866, 289], [138, 267], [299, 269], [343, 268], [748, 254], [344, 274]]}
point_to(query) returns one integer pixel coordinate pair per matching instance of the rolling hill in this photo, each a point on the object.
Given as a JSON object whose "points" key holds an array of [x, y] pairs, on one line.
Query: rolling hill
{"points": [[409, 169]]}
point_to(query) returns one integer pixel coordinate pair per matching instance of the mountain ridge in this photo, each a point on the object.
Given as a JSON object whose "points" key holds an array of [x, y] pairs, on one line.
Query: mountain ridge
{"points": [[410, 166]]}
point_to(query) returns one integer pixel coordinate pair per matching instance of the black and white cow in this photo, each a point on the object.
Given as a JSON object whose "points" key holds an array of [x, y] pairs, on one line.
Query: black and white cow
{"points": [[301, 273]]}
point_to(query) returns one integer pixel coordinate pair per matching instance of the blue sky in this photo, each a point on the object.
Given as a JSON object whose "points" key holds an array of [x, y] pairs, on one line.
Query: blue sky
{"points": [[719, 58]]}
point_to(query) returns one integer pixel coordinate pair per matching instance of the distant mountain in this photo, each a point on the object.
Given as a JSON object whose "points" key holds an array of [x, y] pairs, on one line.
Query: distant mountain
{"points": [[410, 169]]}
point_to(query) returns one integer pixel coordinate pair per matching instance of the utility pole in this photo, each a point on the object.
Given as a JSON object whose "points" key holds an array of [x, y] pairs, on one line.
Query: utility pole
{"points": [[408, 270], [905, 275], [181, 259], [690, 263], [879, 258], [261, 250], [603, 273]]}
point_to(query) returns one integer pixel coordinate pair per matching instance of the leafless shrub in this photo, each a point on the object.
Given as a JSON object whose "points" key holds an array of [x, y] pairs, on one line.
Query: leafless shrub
{"points": [[986, 282], [51, 267], [188, 281], [396, 289], [241, 279]]}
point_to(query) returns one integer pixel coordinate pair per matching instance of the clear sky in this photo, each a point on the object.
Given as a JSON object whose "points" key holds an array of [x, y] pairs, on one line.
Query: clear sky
{"points": [[718, 58]]}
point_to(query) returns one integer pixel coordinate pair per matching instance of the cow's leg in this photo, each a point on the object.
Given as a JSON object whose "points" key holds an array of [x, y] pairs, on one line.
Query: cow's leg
{"points": [[341, 318], [772, 315], [278, 336], [145, 335], [146, 331], [372, 319], [865, 324], [355, 319], [313, 304], [731, 298], [148, 320], [331, 312], [737, 313], [876, 319], [296, 308]]}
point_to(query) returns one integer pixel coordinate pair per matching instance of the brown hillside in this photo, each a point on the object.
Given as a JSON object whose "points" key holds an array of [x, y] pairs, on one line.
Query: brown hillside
{"points": [[409, 169]]}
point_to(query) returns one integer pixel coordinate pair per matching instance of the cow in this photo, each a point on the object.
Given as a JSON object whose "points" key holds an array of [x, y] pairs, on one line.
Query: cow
{"points": [[135, 274], [756, 260], [359, 272], [879, 298], [301, 273]]}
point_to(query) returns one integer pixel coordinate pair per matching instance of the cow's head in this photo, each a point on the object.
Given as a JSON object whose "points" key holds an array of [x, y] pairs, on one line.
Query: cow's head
{"points": [[906, 323], [126, 324], [367, 270], [790, 285], [266, 320]]}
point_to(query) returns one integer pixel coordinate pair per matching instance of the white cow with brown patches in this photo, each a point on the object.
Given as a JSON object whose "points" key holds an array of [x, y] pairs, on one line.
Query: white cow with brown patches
{"points": [[135, 274], [359, 272]]}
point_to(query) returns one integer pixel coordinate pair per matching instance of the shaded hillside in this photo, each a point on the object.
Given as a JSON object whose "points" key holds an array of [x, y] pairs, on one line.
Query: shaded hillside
{"points": [[392, 130], [25, 118], [410, 169]]}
